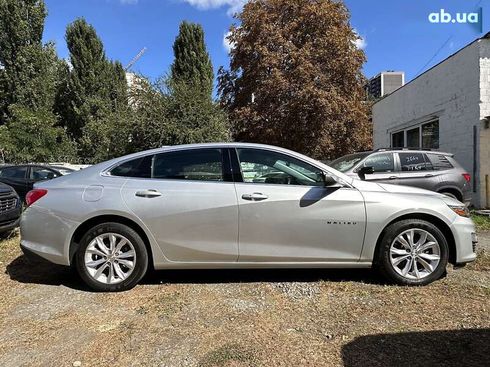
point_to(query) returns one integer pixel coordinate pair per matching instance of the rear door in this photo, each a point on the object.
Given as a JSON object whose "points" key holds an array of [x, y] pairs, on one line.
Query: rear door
{"points": [[384, 165], [416, 170], [187, 200]]}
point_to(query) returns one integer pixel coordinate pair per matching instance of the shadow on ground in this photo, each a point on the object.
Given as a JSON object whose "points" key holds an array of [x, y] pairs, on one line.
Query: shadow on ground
{"points": [[39, 272], [460, 348]]}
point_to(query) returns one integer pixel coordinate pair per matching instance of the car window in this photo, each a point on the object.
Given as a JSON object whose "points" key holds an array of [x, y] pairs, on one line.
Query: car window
{"points": [[139, 167], [40, 173], [194, 164], [439, 161], [345, 163], [413, 162], [13, 172], [263, 166], [383, 162]]}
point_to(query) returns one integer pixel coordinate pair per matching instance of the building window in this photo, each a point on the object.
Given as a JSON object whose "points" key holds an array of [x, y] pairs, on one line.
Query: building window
{"points": [[413, 138], [424, 136], [430, 135], [398, 139]]}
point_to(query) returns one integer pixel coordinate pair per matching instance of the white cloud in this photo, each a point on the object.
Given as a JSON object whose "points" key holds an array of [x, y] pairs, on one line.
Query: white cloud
{"points": [[128, 2], [232, 5], [226, 42], [360, 42]]}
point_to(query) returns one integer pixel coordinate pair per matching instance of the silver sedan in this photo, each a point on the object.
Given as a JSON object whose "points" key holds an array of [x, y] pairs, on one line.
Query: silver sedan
{"points": [[237, 205]]}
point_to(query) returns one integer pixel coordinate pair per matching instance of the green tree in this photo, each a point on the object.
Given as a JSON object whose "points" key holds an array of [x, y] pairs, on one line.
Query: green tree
{"points": [[95, 86], [192, 116], [24, 60], [169, 113], [29, 78], [295, 78], [32, 136], [192, 63]]}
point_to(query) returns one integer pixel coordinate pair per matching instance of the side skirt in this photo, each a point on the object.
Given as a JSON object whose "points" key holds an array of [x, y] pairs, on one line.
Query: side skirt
{"points": [[261, 265]]}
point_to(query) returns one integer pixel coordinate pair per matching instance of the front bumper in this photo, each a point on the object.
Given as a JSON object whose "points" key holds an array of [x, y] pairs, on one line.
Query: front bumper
{"points": [[10, 219], [465, 239]]}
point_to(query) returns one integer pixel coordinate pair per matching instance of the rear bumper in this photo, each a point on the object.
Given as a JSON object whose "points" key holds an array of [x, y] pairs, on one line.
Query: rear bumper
{"points": [[465, 239], [46, 235]]}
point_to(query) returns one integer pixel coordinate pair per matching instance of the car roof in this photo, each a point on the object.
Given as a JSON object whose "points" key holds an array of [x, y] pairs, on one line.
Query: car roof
{"points": [[415, 150], [29, 165]]}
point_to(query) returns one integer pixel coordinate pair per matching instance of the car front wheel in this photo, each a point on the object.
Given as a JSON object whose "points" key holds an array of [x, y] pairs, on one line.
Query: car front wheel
{"points": [[413, 252], [112, 257]]}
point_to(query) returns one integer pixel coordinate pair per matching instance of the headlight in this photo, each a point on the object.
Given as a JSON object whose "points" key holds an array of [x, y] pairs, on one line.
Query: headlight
{"points": [[460, 210]]}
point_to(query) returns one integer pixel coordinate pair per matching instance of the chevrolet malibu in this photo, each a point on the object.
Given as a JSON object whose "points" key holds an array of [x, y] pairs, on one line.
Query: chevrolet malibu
{"points": [[237, 205]]}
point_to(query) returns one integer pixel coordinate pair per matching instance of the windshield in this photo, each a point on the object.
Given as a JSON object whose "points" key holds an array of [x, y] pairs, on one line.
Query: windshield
{"points": [[345, 163]]}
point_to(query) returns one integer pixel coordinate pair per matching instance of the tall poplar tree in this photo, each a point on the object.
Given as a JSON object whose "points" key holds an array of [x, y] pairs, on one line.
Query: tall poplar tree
{"points": [[95, 86], [192, 64], [29, 78], [192, 113], [24, 61]]}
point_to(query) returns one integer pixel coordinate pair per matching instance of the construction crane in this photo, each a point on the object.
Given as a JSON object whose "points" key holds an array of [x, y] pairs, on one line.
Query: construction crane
{"points": [[136, 58]]}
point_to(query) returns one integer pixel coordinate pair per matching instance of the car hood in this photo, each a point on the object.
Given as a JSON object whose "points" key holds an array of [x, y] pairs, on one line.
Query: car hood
{"points": [[5, 189], [396, 189]]}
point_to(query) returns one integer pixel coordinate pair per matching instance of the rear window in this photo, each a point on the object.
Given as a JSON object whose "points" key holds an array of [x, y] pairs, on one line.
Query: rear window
{"points": [[414, 162], [13, 172], [439, 161], [196, 164], [139, 167]]}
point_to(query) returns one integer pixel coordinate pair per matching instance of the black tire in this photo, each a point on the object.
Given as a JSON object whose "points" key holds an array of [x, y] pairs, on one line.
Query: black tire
{"points": [[383, 262], [141, 256]]}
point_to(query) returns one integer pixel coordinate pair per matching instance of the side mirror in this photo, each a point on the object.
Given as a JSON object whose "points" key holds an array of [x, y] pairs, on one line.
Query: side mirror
{"points": [[365, 171], [328, 180]]}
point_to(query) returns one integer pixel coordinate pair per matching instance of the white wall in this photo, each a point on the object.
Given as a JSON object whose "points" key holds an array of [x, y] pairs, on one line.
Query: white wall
{"points": [[484, 158], [449, 91]]}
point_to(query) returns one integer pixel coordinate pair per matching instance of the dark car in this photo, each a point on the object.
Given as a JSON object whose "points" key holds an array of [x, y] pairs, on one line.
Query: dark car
{"points": [[23, 177], [431, 170], [10, 208]]}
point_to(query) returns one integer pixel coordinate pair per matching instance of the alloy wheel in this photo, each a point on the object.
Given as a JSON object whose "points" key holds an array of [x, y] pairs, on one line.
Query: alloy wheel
{"points": [[415, 253], [110, 258]]}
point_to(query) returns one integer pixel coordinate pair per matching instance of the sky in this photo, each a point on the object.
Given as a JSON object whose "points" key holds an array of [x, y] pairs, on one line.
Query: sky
{"points": [[395, 34]]}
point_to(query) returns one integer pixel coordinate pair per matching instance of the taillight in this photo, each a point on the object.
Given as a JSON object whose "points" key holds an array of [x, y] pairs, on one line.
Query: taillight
{"points": [[34, 195], [467, 177]]}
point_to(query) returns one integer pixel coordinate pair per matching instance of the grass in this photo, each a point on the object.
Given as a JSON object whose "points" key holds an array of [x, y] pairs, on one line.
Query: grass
{"points": [[482, 222], [242, 318], [482, 262], [229, 354]]}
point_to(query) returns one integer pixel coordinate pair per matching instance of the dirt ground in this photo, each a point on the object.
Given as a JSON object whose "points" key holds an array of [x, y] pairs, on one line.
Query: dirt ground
{"points": [[243, 318]]}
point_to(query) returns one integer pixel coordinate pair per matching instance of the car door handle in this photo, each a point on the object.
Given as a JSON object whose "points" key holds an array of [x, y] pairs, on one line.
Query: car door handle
{"points": [[392, 178], [256, 196], [148, 193], [428, 175]]}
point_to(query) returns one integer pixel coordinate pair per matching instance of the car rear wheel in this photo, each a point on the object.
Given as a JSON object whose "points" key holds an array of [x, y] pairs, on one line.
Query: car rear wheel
{"points": [[112, 257], [413, 252]]}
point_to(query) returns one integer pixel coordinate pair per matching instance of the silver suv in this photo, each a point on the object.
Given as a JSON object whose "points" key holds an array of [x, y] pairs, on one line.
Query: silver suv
{"points": [[431, 170]]}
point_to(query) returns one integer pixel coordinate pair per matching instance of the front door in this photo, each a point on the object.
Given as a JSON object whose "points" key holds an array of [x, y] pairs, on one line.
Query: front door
{"points": [[384, 168], [187, 204], [286, 214]]}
